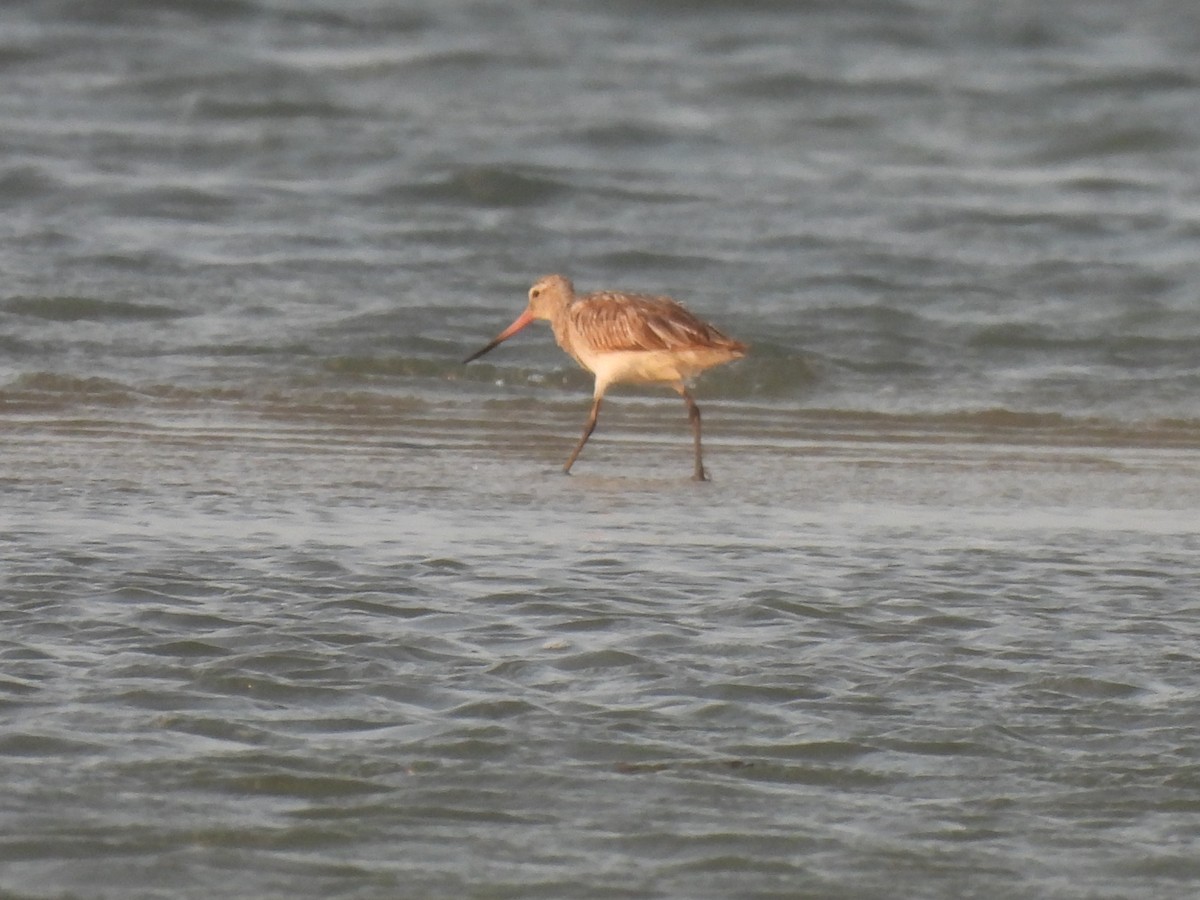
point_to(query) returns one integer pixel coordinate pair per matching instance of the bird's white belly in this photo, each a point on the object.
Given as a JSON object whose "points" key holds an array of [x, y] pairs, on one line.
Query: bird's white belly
{"points": [[640, 366]]}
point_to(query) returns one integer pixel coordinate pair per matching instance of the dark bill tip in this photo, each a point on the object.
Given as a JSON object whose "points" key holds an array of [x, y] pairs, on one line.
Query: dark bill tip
{"points": [[478, 353]]}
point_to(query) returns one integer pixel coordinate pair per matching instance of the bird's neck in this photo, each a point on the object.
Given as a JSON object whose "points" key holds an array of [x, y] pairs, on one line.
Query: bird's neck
{"points": [[560, 325]]}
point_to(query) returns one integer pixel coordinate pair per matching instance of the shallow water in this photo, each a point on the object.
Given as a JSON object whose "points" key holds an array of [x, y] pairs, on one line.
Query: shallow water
{"points": [[294, 604], [337, 658]]}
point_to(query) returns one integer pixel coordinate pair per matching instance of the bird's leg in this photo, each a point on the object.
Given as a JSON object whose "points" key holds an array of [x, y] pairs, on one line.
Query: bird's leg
{"points": [[588, 428], [694, 418]]}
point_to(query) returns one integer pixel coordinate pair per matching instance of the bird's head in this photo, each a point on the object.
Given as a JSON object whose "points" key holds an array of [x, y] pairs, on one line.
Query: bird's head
{"points": [[549, 294]]}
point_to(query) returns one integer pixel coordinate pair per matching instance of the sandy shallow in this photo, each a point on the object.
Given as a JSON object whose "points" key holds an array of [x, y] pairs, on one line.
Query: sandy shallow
{"points": [[355, 648]]}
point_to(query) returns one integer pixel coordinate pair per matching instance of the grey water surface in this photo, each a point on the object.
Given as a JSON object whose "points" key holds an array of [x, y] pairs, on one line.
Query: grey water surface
{"points": [[293, 604]]}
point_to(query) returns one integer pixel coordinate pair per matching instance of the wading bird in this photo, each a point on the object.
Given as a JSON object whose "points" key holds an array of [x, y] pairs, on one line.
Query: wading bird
{"points": [[621, 337]]}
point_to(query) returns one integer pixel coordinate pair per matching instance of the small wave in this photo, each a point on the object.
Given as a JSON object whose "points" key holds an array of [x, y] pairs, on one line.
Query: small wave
{"points": [[1124, 80], [26, 182], [1108, 142], [394, 366], [432, 402], [786, 86], [499, 186], [772, 372], [626, 135], [104, 13], [648, 261], [257, 109], [90, 309], [41, 389], [983, 427], [1131, 351], [97, 390], [176, 203]]}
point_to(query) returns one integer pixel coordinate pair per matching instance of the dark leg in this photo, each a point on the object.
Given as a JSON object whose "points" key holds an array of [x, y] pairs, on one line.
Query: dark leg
{"points": [[694, 418], [588, 428]]}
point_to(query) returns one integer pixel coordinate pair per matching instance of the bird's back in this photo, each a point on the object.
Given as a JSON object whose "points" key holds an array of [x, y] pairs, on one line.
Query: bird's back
{"points": [[641, 338], [614, 321]]}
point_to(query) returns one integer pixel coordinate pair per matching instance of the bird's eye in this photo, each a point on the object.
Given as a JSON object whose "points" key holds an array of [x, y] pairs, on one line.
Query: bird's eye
{"points": [[534, 293]]}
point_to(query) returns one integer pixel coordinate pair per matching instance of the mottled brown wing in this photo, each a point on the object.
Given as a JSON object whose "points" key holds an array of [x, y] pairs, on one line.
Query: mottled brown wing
{"points": [[613, 321]]}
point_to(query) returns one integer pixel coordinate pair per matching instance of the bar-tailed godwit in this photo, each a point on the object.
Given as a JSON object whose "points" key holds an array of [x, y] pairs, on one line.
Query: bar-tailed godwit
{"points": [[621, 337]]}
